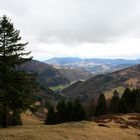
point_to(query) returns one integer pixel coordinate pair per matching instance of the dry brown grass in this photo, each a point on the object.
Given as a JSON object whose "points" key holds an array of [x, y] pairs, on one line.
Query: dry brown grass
{"points": [[30, 119], [85, 130]]}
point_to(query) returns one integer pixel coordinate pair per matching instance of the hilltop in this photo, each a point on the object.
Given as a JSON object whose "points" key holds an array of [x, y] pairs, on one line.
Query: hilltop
{"points": [[46, 74]]}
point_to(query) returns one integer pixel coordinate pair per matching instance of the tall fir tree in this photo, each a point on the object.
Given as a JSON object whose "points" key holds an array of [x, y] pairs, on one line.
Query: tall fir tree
{"points": [[69, 110], [51, 116], [125, 101], [137, 101], [133, 99], [114, 103], [78, 113], [101, 107], [15, 87], [61, 112]]}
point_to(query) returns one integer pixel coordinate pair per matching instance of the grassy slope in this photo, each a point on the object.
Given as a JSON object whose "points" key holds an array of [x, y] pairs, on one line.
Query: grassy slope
{"points": [[71, 131], [109, 93], [58, 88]]}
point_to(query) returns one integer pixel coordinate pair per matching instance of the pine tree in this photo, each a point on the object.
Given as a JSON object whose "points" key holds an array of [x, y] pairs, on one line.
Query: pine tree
{"points": [[123, 107], [0, 116], [16, 120], [137, 101], [51, 116], [78, 111], [15, 87], [69, 110], [125, 101], [133, 99], [61, 112], [101, 107], [114, 103]]}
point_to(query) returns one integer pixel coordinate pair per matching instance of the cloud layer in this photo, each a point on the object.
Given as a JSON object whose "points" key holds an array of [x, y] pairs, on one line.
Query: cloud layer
{"points": [[71, 22]]}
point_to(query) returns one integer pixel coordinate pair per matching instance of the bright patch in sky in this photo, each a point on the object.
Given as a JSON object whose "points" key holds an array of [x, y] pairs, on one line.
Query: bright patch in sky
{"points": [[127, 49]]}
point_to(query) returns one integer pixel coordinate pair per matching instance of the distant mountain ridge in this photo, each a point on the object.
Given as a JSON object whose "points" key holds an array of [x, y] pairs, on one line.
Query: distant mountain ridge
{"points": [[93, 65]]}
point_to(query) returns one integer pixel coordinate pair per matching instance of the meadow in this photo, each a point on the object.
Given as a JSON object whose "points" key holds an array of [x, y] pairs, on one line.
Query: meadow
{"points": [[119, 127]]}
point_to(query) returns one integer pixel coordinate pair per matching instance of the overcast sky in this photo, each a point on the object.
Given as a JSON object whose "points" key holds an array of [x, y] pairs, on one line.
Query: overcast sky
{"points": [[77, 28]]}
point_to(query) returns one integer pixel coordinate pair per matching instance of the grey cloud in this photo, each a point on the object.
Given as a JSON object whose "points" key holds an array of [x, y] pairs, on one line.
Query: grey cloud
{"points": [[75, 20]]}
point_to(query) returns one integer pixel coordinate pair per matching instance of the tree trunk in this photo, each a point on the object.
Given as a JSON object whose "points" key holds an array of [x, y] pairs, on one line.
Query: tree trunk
{"points": [[16, 120], [4, 120]]}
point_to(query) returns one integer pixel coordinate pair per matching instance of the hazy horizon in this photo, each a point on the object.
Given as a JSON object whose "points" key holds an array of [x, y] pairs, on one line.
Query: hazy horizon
{"points": [[87, 58]]}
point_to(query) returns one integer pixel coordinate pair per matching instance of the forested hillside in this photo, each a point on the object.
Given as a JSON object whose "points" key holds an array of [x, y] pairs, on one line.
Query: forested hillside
{"points": [[93, 87]]}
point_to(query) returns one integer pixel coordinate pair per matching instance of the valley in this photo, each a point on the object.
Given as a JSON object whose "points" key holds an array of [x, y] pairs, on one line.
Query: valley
{"points": [[59, 83]]}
